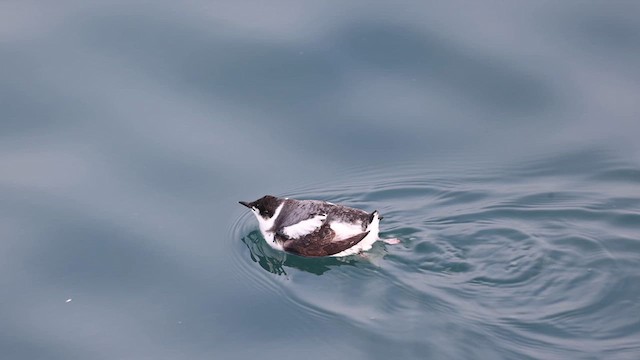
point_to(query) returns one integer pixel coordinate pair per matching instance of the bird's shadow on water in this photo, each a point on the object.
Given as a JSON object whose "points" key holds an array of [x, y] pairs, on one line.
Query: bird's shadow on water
{"points": [[275, 261]]}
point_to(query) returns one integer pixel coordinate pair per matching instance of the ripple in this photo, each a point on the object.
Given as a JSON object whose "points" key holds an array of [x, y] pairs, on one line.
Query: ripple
{"points": [[541, 265]]}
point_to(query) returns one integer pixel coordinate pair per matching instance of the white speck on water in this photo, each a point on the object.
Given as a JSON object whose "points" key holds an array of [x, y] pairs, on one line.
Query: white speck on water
{"points": [[68, 300]]}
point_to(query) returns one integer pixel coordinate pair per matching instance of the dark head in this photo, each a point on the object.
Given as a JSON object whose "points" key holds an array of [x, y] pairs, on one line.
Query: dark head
{"points": [[265, 206]]}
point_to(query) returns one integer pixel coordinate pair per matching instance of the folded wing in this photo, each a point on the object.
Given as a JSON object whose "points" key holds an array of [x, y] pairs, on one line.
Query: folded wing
{"points": [[316, 244]]}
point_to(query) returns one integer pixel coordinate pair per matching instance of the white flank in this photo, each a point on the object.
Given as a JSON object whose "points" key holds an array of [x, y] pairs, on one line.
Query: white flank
{"points": [[364, 244], [345, 230], [304, 227]]}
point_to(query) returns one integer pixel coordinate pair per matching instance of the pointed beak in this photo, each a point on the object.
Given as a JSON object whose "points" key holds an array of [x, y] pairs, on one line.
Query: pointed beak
{"points": [[245, 204]]}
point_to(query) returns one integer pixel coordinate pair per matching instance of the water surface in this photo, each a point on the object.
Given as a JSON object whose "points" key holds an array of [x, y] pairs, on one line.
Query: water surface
{"points": [[531, 261], [500, 142]]}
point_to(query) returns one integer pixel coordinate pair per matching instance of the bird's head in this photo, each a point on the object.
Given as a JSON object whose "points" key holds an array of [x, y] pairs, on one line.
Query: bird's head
{"points": [[265, 207]]}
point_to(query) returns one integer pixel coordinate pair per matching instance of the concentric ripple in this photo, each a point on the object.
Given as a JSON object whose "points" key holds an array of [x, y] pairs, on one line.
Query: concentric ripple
{"points": [[538, 260]]}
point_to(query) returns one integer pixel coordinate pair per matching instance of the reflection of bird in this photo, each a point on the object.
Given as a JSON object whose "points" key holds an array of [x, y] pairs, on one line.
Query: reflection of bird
{"points": [[276, 262], [314, 228]]}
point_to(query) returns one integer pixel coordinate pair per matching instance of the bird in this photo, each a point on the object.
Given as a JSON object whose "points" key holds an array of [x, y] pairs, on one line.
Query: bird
{"points": [[314, 228]]}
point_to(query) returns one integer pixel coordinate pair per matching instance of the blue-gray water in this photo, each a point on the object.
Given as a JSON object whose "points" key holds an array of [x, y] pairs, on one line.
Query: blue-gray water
{"points": [[498, 139]]}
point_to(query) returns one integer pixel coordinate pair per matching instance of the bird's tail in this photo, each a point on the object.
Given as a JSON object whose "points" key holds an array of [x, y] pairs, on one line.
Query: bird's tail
{"points": [[373, 215]]}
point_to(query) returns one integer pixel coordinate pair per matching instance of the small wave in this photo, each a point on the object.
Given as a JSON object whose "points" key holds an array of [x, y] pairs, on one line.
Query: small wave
{"points": [[533, 260]]}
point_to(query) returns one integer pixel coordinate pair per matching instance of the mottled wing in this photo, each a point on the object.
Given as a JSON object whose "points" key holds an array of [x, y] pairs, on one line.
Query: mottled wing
{"points": [[300, 217]]}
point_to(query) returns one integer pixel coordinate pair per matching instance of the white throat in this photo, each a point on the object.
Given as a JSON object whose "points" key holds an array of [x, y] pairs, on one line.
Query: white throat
{"points": [[266, 225]]}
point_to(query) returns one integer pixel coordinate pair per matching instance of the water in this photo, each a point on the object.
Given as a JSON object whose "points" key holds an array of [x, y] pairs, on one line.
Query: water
{"points": [[499, 141], [534, 261]]}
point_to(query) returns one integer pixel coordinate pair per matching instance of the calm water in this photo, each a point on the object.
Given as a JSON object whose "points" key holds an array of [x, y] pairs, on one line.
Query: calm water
{"points": [[500, 142]]}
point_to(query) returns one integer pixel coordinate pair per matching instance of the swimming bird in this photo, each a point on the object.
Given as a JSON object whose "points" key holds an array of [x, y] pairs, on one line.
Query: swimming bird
{"points": [[314, 228]]}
